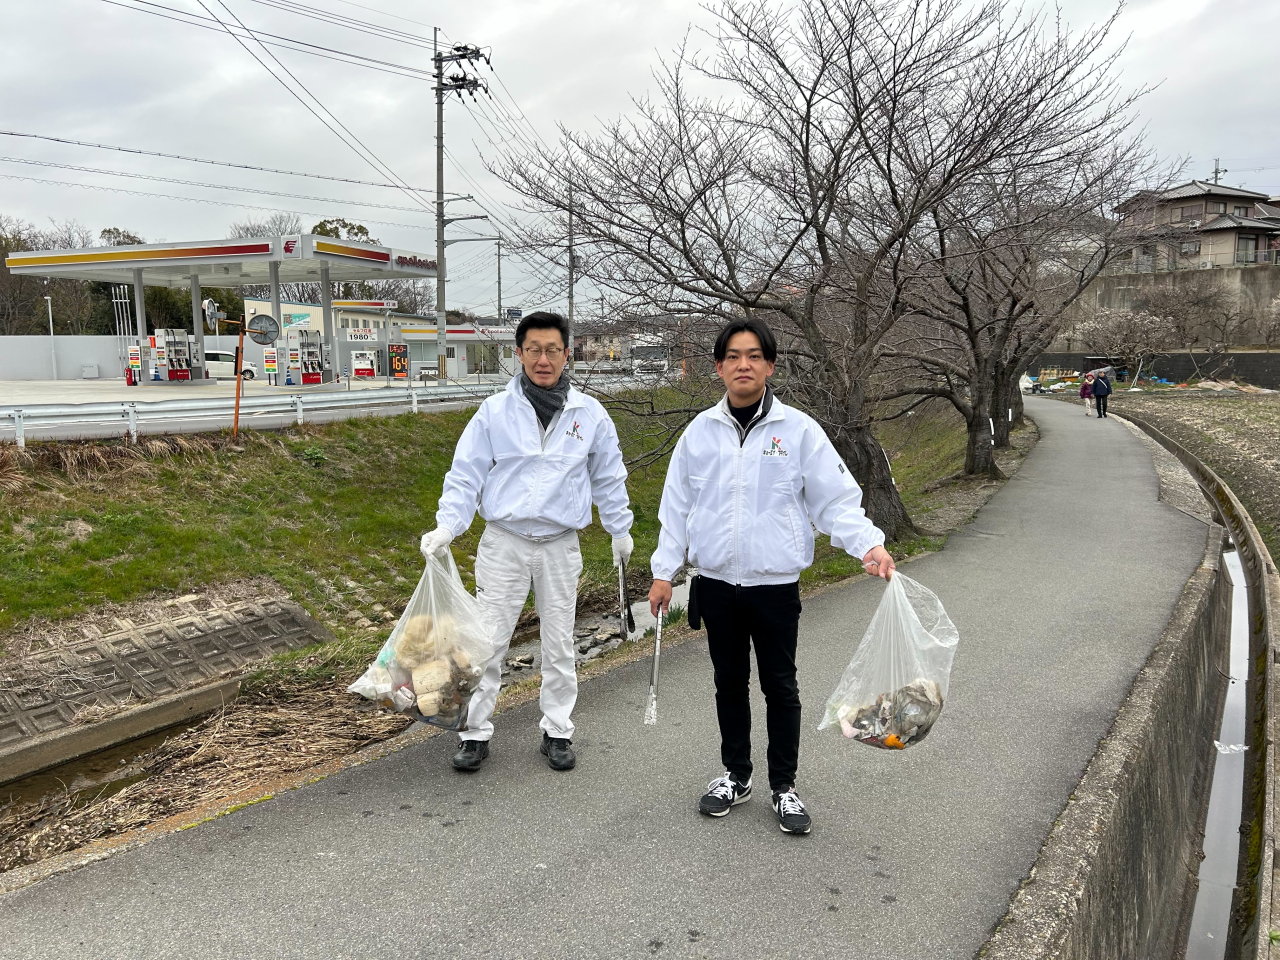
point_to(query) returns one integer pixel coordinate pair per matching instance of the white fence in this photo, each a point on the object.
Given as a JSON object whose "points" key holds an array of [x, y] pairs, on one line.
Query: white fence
{"points": [[130, 418]]}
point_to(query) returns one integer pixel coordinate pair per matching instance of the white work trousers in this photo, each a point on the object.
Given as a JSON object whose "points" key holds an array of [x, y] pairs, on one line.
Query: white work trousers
{"points": [[506, 564]]}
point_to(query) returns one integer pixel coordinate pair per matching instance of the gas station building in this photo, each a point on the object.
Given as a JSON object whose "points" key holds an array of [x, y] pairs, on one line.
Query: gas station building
{"points": [[361, 326], [271, 261]]}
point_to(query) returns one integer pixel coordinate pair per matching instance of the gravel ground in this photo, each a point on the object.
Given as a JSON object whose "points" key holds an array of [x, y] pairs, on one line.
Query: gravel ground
{"points": [[1236, 435]]}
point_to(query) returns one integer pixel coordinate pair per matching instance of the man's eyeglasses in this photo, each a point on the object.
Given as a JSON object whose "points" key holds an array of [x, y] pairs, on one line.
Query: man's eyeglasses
{"points": [[536, 353]]}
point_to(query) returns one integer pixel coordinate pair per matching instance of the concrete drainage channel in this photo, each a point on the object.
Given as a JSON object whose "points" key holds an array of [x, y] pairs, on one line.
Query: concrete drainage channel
{"points": [[180, 666], [1211, 916], [1118, 875], [70, 717]]}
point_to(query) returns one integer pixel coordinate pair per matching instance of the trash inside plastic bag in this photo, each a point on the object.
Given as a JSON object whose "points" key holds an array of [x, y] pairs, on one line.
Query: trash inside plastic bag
{"points": [[432, 662], [893, 690]]}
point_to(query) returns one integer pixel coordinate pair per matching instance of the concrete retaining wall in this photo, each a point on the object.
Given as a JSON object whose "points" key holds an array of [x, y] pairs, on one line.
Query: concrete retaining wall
{"points": [[1115, 877]]}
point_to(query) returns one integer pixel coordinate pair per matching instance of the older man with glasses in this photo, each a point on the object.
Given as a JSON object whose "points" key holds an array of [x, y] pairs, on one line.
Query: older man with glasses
{"points": [[533, 460]]}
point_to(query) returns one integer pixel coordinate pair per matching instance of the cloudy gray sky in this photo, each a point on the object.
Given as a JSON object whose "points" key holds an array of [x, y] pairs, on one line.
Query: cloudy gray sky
{"points": [[99, 71]]}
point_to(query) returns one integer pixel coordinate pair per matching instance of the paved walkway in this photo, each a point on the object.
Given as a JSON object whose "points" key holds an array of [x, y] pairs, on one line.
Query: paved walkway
{"points": [[1060, 588]]}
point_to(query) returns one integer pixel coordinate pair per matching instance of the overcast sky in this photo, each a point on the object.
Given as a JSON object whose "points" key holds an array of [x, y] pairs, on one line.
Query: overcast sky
{"points": [[97, 71]]}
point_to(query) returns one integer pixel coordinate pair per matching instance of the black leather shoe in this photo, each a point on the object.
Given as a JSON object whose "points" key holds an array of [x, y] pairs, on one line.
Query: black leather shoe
{"points": [[558, 752], [470, 755]]}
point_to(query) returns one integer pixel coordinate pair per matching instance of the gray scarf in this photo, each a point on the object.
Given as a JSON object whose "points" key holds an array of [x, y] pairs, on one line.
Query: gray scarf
{"points": [[547, 401]]}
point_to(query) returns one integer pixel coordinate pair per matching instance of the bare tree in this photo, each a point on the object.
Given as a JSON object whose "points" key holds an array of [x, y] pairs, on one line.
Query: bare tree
{"points": [[18, 294], [71, 300], [1007, 258], [799, 192], [278, 224], [1269, 325], [1202, 315], [1131, 336]]}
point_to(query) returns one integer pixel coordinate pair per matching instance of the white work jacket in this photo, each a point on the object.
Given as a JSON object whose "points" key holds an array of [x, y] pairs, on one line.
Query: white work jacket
{"points": [[532, 483], [743, 510]]}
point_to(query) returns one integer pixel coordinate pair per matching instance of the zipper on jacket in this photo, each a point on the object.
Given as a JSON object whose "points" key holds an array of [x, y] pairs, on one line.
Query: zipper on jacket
{"points": [[737, 513]]}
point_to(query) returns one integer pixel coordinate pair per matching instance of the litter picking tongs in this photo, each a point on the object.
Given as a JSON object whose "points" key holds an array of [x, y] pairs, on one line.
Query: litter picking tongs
{"points": [[651, 711], [626, 622]]}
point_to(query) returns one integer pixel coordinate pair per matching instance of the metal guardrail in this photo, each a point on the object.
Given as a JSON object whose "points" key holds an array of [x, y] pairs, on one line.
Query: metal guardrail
{"points": [[1255, 909], [129, 415]]}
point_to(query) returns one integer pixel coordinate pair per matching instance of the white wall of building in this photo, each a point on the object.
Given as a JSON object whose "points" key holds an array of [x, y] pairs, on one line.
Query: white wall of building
{"points": [[27, 358]]}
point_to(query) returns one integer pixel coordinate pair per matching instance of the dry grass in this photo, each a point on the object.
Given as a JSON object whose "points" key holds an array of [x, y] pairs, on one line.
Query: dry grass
{"points": [[269, 732]]}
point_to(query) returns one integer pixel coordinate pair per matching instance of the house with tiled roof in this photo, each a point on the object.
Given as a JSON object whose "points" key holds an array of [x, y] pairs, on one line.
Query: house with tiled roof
{"points": [[1200, 225]]}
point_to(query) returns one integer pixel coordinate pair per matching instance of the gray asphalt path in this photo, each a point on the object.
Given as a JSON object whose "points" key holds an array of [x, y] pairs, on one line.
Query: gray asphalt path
{"points": [[1060, 588]]}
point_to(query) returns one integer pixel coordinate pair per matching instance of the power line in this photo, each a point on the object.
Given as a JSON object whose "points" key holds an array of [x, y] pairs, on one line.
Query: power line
{"points": [[351, 23], [209, 186], [354, 142], [216, 203], [393, 16], [216, 163], [285, 43]]}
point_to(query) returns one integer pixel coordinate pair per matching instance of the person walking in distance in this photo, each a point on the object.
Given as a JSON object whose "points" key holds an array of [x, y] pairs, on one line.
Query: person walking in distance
{"points": [[533, 460], [1101, 390], [747, 482], [1086, 392]]}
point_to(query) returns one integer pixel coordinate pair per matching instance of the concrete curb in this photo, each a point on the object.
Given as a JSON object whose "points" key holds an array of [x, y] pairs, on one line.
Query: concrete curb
{"points": [[1255, 908], [71, 743], [1115, 875]]}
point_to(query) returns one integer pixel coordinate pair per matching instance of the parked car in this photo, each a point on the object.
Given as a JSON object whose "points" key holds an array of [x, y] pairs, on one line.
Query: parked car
{"points": [[221, 365]]}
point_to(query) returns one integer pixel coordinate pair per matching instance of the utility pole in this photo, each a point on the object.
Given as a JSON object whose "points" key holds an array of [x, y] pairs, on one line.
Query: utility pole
{"points": [[457, 83], [441, 311], [1217, 170], [500, 317]]}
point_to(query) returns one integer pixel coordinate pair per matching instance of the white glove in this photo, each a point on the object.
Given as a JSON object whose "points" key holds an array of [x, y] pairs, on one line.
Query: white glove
{"points": [[622, 547], [435, 543]]}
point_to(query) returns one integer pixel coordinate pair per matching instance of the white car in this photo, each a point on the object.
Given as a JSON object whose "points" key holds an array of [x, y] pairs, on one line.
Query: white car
{"points": [[221, 365]]}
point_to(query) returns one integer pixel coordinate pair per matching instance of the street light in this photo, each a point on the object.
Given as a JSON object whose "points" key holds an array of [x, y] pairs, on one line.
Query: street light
{"points": [[53, 355]]}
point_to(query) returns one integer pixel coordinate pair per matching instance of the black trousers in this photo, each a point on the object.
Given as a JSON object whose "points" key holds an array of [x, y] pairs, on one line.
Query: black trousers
{"points": [[1101, 404], [768, 617]]}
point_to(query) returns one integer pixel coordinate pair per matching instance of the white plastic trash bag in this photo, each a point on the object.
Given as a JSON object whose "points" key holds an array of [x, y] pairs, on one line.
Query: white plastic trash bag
{"points": [[892, 692], [432, 662]]}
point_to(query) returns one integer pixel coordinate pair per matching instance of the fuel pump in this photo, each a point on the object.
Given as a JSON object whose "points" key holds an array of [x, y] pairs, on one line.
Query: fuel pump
{"points": [[293, 358], [172, 355], [366, 363], [310, 356], [195, 361]]}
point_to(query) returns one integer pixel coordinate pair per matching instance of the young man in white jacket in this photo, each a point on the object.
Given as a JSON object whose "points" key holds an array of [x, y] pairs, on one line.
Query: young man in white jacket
{"points": [[748, 481], [533, 459]]}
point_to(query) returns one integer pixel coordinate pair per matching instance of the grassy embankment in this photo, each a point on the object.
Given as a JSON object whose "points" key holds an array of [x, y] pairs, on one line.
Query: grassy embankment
{"points": [[1236, 435], [311, 507]]}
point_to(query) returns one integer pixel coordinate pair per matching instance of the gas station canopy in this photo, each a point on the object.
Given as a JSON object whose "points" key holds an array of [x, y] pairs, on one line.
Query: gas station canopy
{"points": [[228, 263]]}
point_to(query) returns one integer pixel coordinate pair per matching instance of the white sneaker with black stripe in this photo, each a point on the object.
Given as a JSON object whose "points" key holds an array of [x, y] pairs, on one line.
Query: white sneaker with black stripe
{"points": [[792, 816], [722, 794]]}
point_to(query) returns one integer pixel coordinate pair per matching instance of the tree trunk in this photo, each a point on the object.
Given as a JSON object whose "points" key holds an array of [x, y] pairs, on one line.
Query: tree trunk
{"points": [[979, 452], [859, 448], [1002, 408]]}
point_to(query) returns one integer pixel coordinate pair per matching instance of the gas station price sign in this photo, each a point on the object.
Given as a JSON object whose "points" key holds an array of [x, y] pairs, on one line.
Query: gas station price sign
{"points": [[269, 360], [398, 355]]}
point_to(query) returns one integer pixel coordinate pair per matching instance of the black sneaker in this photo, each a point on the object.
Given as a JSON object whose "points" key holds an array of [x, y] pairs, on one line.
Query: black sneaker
{"points": [[792, 816], [723, 793], [470, 755], [558, 752]]}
